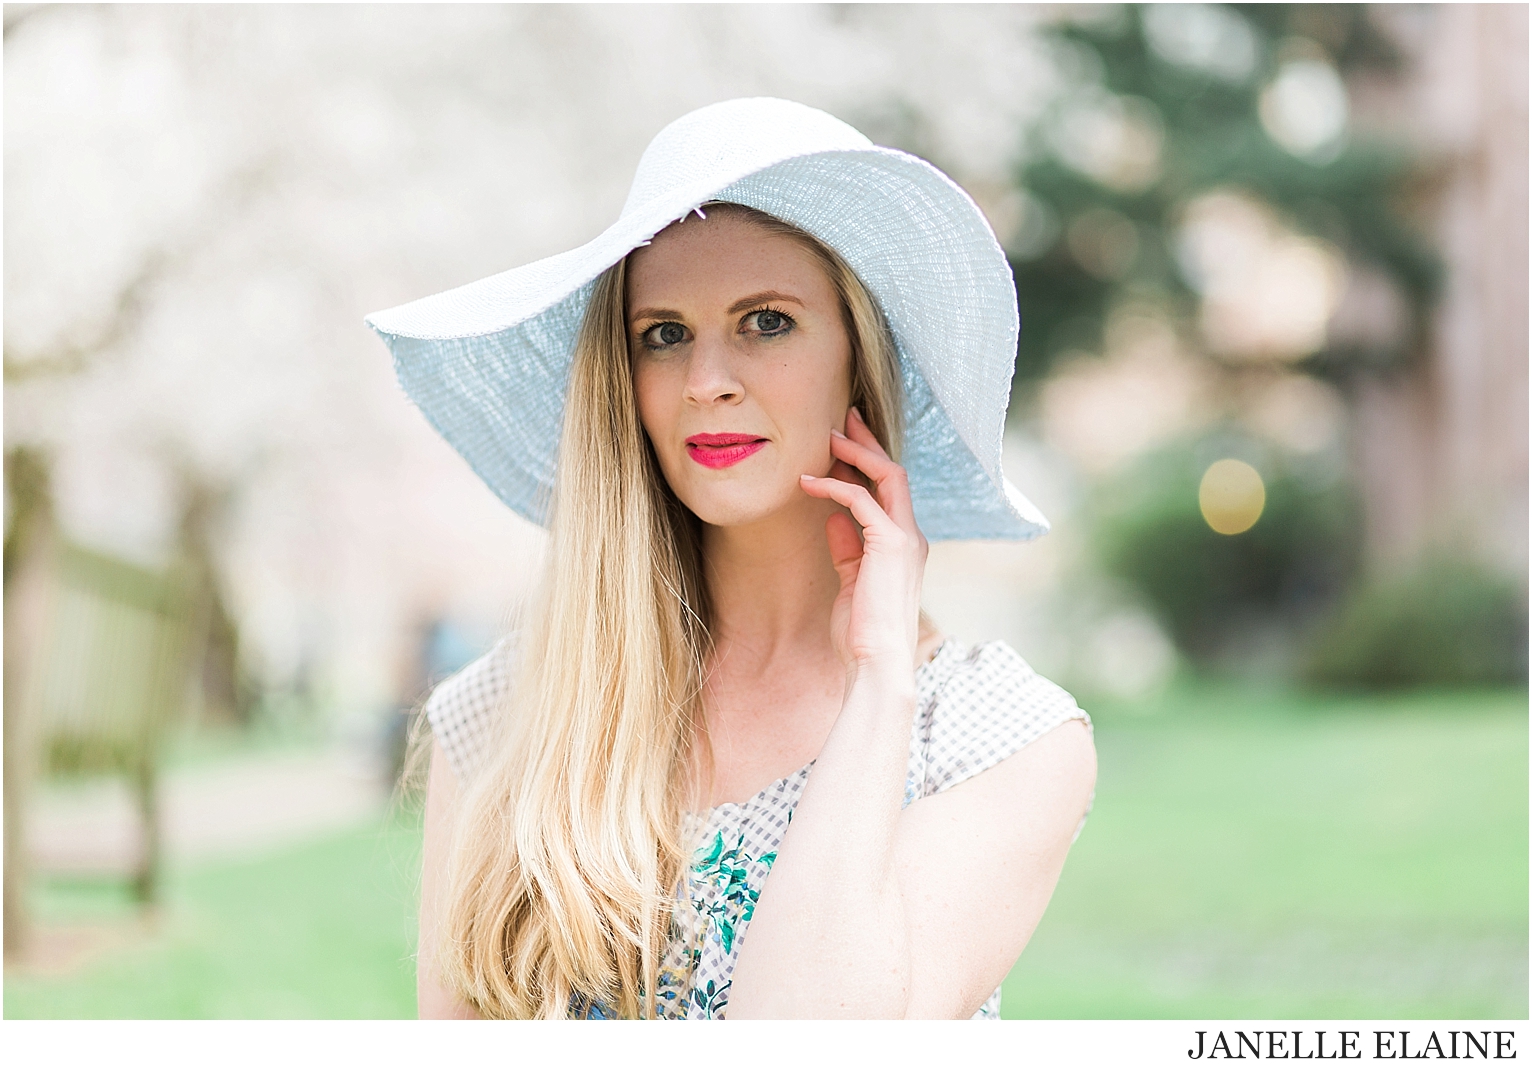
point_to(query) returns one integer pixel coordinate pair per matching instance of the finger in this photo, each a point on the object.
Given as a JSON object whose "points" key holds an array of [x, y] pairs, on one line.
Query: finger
{"points": [[859, 502], [892, 483], [858, 430], [843, 471], [845, 546]]}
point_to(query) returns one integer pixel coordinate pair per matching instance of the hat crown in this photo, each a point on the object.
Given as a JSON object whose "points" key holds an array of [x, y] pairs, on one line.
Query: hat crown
{"points": [[699, 152]]}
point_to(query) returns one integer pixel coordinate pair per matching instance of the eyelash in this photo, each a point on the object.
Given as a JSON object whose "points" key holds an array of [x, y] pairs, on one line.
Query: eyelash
{"points": [[643, 338], [789, 325]]}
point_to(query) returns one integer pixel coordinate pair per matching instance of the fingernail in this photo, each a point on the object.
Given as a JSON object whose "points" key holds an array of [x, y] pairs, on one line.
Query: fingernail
{"points": [[858, 414], [837, 433], [805, 477]]}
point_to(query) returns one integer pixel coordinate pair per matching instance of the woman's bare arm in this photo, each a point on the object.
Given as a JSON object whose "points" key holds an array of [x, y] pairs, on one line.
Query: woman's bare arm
{"points": [[432, 999], [977, 865], [925, 925], [829, 938], [874, 912]]}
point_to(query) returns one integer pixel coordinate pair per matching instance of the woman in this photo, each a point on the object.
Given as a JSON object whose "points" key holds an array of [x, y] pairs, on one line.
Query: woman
{"points": [[725, 674]]}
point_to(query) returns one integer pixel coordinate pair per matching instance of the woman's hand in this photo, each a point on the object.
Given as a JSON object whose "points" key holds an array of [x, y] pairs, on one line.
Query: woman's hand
{"points": [[876, 617], [834, 896]]}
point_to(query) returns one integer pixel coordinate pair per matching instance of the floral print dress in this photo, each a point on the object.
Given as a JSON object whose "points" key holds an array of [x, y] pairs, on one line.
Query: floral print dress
{"points": [[974, 707]]}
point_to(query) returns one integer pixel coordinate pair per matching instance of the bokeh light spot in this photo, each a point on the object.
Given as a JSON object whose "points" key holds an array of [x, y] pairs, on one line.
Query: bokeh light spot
{"points": [[1232, 496]]}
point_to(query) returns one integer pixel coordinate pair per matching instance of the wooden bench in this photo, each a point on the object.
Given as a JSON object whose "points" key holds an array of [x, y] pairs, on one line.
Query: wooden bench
{"points": [[110, 675]]}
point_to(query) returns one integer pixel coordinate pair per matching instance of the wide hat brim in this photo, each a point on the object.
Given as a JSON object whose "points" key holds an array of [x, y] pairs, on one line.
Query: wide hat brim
{"points": [[488, 362]]}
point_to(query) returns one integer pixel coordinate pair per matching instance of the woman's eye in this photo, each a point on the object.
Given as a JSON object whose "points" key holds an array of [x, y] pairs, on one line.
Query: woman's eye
{"points": [[665, 334], [770, 322]]}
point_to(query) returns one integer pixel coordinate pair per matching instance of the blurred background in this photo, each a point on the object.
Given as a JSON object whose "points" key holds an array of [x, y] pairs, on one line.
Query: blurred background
{"points": [[1271, 389]]}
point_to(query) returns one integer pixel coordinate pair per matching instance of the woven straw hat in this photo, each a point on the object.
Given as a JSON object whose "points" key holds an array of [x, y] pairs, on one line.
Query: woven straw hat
{"points": [[488, 362]]}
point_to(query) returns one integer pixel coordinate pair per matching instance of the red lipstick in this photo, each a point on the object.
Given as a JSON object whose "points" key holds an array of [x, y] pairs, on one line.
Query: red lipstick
{"points": [[718, 450]]}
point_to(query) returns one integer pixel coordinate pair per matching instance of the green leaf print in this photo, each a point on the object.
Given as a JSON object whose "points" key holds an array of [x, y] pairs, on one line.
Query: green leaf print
{"points": [[724, 902], [713, 855]]}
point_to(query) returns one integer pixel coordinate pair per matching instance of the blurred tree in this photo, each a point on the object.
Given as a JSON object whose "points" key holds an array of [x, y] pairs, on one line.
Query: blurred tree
{"points": [[1199, 169], [1448, 622], [227, 689], [30, 541], [1170, 103], [1212, 591]]}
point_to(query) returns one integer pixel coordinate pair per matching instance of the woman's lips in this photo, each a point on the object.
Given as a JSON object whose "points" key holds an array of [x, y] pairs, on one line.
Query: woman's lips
{"points": [[717, 450]]}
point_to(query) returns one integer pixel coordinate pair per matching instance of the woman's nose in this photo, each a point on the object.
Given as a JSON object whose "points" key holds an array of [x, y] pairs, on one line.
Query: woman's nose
{"points": [[710, 376]]}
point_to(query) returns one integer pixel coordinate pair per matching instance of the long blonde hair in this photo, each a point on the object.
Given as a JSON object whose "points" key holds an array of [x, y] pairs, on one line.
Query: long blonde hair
{"points": [[568, 848]]}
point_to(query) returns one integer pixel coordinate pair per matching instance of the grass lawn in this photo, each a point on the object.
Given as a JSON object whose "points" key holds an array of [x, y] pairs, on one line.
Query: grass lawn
{"points": [[1247, 857], [324, 930], [1282, 858]]}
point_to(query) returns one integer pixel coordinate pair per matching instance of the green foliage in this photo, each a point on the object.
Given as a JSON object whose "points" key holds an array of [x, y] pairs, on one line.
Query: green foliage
{"points": [[1150, 532], [1212, 138], [1448, 622]]}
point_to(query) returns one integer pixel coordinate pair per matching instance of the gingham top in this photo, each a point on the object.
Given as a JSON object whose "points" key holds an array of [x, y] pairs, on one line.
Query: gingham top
{"points": [[974, 707]]}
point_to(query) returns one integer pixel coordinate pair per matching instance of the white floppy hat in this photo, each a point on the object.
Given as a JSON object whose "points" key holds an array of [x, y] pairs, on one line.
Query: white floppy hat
{"points": [[488, 362]]}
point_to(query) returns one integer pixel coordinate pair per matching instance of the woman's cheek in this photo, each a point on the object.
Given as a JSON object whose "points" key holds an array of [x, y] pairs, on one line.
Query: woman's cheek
{"points": [[655, 414]]}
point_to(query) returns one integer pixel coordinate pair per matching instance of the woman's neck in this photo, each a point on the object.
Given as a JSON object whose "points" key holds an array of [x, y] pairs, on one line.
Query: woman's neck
{"points": [[771, 585]]}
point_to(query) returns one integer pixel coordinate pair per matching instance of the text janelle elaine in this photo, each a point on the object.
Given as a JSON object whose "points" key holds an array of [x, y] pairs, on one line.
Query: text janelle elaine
{"points": [[1352, 1044]]}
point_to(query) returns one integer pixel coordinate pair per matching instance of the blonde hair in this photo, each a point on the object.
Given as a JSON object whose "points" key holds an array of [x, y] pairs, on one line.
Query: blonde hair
{"points": [[568, 849]]}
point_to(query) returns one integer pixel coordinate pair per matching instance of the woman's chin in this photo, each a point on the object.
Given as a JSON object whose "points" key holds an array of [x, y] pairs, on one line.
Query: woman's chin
{"points": [[741, 503]]}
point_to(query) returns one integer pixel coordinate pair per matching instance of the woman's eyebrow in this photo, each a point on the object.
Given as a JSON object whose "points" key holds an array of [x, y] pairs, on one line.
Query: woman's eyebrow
{"points": [[763, 297], [655, 312], [735, 308]]}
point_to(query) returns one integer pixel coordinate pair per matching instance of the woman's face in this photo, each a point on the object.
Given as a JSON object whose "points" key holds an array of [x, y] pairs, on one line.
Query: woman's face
{"points": [[741, 363]]}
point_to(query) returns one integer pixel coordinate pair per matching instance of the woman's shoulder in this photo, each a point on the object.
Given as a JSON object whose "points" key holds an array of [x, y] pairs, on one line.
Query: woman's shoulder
{"points": [[977, 705], [463, 709]]}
